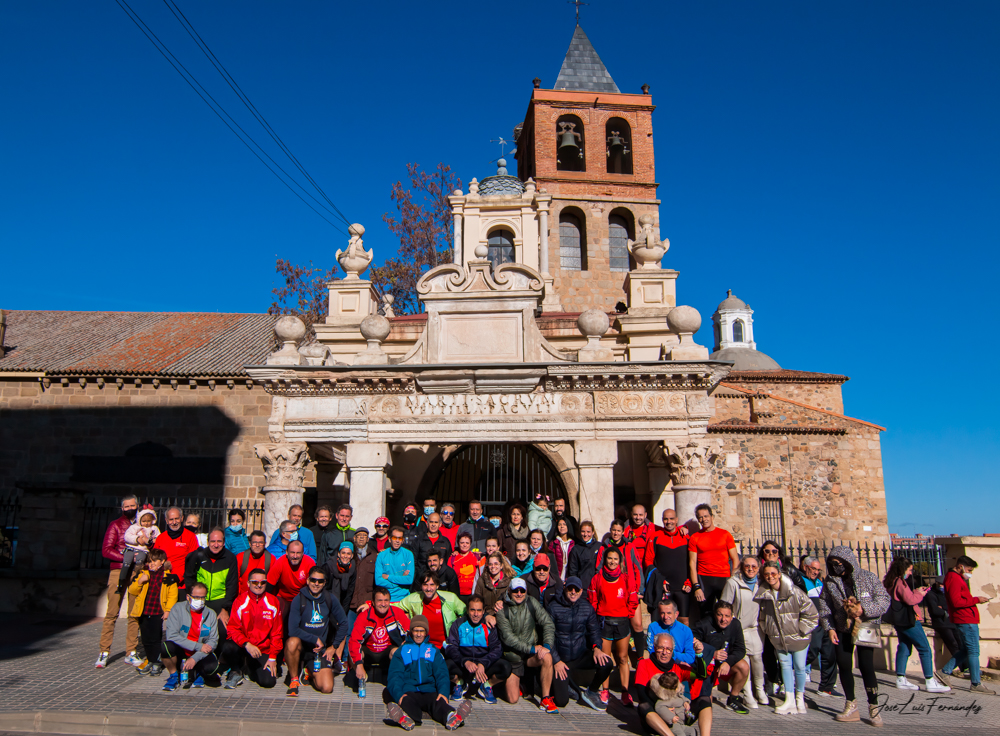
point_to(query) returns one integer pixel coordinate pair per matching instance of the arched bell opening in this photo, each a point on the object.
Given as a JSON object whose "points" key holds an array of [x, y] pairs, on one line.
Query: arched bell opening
{"points": [[618, 137], [570, 144]]}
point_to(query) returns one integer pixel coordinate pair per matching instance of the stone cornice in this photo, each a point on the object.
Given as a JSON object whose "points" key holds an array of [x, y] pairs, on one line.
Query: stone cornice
{"points": [[775, 429]]}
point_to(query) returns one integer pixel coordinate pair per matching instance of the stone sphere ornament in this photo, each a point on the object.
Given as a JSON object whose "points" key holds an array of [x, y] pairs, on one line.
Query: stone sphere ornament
{"points": [[482, 251], [375, 327], [290, 329], [593, 323], [684, 319]]}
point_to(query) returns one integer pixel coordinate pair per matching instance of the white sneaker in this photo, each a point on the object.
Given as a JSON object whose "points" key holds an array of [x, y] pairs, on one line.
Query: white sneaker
{"points": [[102, 661], [934, 686], [903, 684], [133, 660]]}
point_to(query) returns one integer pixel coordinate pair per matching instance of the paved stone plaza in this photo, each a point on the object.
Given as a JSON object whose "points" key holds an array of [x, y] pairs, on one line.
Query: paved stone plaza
{"points": [[49, 684]]}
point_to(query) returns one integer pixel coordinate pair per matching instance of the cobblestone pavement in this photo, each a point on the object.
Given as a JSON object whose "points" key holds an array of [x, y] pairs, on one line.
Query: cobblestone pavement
{"points": [[56, 673]]}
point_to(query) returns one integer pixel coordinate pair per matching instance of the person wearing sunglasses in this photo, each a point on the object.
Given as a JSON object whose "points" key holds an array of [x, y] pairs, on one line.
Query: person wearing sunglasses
{"points": [[317, 626], [543, 586], [448, 526], [381, 537], [519, 622], [254, 635]]}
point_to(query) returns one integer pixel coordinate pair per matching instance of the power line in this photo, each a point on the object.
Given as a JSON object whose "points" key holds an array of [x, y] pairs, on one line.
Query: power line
{"points": [[234, 85], [205, 96]]}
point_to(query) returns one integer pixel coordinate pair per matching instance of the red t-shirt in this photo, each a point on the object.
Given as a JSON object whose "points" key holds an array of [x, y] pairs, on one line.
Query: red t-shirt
{"points": [[713, 551], [432, 611], [287, 580], [648, 669], [194, 633], [466, 567], [177, 551]]}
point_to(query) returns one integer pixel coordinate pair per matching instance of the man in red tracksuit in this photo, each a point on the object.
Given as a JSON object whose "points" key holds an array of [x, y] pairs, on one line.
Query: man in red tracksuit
{"points": [[378, 631], [666, 566], [254, 635]]}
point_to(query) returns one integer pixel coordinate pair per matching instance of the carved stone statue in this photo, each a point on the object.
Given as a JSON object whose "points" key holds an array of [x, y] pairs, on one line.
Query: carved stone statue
{"points": [[355, 260], [647, 248]]}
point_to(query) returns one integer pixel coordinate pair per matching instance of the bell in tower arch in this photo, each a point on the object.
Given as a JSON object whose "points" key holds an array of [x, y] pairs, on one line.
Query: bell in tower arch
{"points": [[569, 153]]}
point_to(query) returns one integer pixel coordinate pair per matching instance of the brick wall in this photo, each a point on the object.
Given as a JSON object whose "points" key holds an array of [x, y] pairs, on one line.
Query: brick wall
{"points": [[41, 429]]}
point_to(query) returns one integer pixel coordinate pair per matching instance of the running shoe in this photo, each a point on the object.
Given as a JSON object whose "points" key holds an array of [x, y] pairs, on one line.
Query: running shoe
{"points": [[199, 682], [134, 660], [233, 680], [293, 688], [605, 696], [487, 692], [456, 718], [155, 669], [592, 699], [102, 660], [626, 699], [399, 716], [735, 704], [172, 682], [548, 705], [456, 691]]}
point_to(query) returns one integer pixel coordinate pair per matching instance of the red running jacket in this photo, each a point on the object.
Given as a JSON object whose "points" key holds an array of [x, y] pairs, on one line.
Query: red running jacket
{"points": [[256, 619]]}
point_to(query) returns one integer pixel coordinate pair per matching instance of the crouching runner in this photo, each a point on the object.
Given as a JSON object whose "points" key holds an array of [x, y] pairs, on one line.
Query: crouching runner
{"points": [[418, 682], [691, 676]]}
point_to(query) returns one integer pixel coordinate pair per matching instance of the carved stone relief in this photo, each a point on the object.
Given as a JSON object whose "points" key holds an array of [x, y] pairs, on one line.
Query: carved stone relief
{"points": [[690, 465], [646, 402], [284, 464]]}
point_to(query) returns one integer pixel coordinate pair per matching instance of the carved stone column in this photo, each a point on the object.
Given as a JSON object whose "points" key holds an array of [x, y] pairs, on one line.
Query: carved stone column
{"points": [[284, 474], [367, 462], [596, 460], [660, 490], [691, 473]]}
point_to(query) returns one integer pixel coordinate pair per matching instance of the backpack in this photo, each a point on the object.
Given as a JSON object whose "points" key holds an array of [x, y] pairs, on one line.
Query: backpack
{"points": [[268, 559]]}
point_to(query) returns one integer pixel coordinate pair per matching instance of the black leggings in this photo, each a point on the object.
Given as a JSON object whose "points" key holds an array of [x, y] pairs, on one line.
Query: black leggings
{"points": [[414, 705], [151, 631], [207, 665], [866, 663], [561, 688], [712, 588], [237, 658]]}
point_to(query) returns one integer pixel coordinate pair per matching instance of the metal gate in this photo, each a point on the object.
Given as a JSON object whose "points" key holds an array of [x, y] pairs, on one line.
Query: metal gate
{"points": [[496, 474], [772, 520]]}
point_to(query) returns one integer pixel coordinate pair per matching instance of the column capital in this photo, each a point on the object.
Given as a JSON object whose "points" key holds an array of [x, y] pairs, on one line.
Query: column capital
{"points": [[599, 453], [284, 464], [690, 464]]}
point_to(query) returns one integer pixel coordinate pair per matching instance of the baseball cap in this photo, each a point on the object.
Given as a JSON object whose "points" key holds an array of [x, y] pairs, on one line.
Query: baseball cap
{"points": [[573, 582], [542, 559], [361, 529], [518, 584]]}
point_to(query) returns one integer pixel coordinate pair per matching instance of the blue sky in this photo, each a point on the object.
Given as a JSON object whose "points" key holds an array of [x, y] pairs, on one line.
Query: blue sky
{"points": [[835, 164]]}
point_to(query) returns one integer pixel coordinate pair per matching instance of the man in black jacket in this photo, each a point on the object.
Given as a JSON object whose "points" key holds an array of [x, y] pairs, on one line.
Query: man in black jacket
{"points": [[430, 539], [583, 557], [542, 585], [215, 567], [724, 649], [478, 526], [559, 511], [577, 646], [436, 564]]}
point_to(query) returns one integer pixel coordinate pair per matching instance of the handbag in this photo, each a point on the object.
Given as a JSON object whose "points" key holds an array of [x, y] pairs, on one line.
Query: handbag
{"points": [[866, 634], [900, 615]]}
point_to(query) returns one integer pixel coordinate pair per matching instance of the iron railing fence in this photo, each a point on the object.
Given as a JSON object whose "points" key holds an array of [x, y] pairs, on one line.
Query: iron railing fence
{"points": [[99, 511], [10, 507]]}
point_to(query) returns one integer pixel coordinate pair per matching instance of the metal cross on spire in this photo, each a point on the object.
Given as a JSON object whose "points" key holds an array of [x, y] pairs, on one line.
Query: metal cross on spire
{"points": [[503, 144], [577, 3]]}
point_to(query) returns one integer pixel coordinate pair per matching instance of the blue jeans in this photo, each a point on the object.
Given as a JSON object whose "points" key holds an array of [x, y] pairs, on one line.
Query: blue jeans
{"points": [[788, 660], [968, 637], [908, 639]]}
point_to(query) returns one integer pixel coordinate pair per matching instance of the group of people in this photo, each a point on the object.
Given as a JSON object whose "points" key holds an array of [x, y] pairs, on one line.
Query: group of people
{"points": [[535, 604]]}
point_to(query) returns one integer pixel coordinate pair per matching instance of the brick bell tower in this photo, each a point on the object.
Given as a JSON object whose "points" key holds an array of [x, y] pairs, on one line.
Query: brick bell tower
{"points": [[591, 147]]}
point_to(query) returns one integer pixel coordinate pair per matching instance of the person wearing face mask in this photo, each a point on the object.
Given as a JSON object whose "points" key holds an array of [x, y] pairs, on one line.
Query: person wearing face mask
{"points": [[236, 534], [852, 596], [178, 543], [113, 549], [191, 636], [410, 519], [285, 534], [192, 522], [963, 611], [299, 533], [430, 507]]}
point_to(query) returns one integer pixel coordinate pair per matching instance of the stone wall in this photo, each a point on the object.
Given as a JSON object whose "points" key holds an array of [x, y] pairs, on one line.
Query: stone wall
{"points": [[43, 428]]}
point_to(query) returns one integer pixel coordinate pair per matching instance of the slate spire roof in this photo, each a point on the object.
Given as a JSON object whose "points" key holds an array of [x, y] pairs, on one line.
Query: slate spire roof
{"points": [[582, 69]]}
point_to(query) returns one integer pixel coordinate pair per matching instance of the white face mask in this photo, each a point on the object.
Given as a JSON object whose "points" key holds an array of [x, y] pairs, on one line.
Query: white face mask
{"points": [[967, 575], [196, 603]]}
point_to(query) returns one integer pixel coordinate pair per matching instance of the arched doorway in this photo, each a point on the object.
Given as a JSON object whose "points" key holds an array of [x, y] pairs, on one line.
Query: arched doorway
{"points": [[498, 474]]}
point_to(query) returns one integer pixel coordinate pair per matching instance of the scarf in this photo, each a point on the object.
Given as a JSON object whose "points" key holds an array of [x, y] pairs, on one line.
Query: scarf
{"points": [[174, 534], [518, 532], [611, 575], [752, 582]]}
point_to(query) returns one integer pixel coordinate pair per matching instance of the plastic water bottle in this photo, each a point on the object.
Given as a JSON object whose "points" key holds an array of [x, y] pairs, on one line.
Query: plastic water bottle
{"points": [[317, 662], [184, 676], [361, 688]]}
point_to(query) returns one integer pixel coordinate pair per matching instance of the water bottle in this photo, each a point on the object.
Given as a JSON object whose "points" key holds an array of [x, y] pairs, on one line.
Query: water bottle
{"points": [[317, 662], [184, 676], [361, 688]]}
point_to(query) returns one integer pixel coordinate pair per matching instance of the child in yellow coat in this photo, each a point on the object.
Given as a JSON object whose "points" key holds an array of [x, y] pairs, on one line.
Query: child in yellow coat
{"points": [[155, 591]]}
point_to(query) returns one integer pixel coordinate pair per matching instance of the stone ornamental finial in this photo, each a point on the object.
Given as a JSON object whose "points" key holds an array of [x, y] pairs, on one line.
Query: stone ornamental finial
{"points": [[387, 309], [289, 330], [355, 260], [648, 249], [594, 324], [374, 328]]}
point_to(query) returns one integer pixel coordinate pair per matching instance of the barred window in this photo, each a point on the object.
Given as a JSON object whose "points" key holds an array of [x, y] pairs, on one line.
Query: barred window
{"points": [[501, 247]]}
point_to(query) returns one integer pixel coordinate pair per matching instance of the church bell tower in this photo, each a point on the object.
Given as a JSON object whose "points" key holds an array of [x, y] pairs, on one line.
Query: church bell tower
{"points": [[590, 146]]}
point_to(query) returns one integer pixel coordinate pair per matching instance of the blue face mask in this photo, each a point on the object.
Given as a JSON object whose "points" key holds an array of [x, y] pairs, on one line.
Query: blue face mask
{"points": [[294, 537], [236, 527], [495, 523], [428, 510]]}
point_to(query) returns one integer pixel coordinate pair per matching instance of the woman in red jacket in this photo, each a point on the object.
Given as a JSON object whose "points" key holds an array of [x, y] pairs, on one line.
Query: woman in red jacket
{"points": [[614, 596]]}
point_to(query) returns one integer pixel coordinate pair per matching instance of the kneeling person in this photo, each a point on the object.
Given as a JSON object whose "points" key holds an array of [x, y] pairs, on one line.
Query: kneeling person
{"points": [[314, 619], [192, 634], [254, 635], [418, 682], [578, 645], [475, 652], [519, 620]]}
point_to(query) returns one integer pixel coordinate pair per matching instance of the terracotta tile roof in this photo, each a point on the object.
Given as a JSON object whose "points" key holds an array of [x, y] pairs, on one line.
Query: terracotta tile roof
{"points": [[765, 395], [786, 376], [161, 343]]}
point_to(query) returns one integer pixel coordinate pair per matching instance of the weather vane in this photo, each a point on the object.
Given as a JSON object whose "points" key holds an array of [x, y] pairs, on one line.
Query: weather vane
{"points": [[503, 144], [577, 3]]}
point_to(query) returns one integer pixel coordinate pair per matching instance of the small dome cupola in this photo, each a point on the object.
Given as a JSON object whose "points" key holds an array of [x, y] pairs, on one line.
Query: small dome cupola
{"points": [[733, 322]]}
